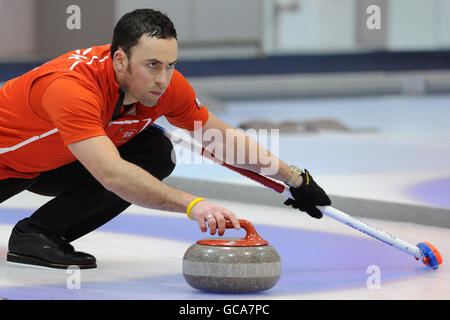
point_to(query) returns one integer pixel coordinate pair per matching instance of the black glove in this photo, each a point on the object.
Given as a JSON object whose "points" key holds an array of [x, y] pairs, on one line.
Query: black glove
{"points": [[307, 196]]}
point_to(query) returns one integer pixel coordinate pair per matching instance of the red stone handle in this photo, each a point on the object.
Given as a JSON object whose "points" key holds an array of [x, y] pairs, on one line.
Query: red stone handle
{"points": [[251, 239]]}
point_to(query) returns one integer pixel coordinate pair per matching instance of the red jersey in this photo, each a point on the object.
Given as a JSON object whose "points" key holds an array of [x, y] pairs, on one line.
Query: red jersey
{"points": [[73, 98]]}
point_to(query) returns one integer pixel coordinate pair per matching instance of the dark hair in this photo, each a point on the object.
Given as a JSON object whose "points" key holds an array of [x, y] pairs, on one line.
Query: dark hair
{"points": [[130, 28]]}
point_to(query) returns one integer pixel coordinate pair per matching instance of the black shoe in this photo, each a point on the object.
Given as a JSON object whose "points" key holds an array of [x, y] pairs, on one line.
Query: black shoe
{"points": [[46, 250]]}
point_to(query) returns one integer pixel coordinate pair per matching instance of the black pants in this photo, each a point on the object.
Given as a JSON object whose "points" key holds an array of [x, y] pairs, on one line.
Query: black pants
{"points": [[81, 204]]}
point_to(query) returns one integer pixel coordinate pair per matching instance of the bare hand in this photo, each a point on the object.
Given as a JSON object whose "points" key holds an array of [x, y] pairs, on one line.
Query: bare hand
{"points": [[216, 216]]}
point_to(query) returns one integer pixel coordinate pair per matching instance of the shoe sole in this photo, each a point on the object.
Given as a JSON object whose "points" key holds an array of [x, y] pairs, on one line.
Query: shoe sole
{"points": [[32, 261]]}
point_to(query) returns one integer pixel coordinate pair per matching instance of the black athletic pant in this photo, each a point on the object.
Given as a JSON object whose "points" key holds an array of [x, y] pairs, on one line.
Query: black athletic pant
{"points": [[81, 204]]}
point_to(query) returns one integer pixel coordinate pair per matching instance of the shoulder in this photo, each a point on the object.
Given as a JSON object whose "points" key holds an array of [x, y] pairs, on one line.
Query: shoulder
{"points": [[70, 91], [178, 78]]}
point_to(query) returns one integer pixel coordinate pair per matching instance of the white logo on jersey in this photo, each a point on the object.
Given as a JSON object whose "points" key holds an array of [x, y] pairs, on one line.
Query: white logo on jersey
{"points": [[79, 56], [129, 134]]}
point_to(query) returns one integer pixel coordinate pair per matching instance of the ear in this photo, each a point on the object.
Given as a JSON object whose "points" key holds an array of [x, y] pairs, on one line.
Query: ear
{"points": [[120, 60]]}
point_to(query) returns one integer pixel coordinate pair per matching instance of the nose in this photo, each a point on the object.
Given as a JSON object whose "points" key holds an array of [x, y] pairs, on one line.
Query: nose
{"points": [[162, 78]]}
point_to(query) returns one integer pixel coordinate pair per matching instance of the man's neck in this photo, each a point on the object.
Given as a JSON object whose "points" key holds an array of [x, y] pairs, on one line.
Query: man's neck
{"points": [[128, 99]]}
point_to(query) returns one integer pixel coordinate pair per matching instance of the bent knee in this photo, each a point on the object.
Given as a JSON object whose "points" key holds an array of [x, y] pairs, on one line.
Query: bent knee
{"points": [[152, 151]]}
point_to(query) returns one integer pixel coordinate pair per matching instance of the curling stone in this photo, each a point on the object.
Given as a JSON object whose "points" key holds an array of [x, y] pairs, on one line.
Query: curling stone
{"points": [[232, 265]]}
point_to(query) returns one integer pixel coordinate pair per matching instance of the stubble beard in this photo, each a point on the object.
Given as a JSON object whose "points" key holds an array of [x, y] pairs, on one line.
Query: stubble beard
{"points": [[147, 102]]}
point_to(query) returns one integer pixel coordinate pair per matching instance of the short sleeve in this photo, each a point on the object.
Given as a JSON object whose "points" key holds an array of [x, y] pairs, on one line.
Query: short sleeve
{"points": [[74, 109], [184, 107]]}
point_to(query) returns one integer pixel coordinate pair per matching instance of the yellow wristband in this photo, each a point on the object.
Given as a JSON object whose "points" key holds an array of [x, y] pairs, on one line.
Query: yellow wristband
{"points": [[193, 203]]}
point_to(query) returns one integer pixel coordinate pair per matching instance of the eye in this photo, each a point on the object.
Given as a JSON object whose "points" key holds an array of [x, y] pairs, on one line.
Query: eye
{"points": [[152, 65], [171, 66]]}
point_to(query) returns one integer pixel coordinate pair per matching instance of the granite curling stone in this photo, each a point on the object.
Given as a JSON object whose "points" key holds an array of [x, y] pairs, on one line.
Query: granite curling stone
{"points": [[232, 265]]}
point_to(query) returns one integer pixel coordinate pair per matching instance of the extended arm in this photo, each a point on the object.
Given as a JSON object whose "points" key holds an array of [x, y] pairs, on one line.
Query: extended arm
{"points": [[240, 150], [132, 183], [228, 140]]}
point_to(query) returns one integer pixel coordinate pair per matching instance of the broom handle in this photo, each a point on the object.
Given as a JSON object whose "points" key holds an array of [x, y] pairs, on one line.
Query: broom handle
{"points": [[326, 210]]}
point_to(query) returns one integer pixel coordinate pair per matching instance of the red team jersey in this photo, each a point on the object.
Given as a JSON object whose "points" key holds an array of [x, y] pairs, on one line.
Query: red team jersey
{"points": [[72, 98]]}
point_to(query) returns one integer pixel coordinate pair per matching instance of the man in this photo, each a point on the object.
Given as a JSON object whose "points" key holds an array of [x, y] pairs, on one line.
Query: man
{"points": [[78, 129]]}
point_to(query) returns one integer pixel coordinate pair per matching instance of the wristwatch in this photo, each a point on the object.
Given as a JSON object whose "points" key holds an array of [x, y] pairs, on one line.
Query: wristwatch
{"points": [[296, 173]]}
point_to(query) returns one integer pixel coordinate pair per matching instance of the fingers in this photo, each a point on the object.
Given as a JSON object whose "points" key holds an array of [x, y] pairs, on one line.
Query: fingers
{"points": [[311, 210], [218, 220], [202, 224], [213, 217], [314, 212], [232, 217]]}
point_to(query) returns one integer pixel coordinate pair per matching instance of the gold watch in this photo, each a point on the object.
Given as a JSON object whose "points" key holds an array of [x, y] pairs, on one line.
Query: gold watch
{"points": [[296, 173]]}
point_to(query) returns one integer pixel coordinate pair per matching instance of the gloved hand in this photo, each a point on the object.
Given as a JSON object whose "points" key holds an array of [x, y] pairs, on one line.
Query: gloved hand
{"points": [[307, 196]]}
